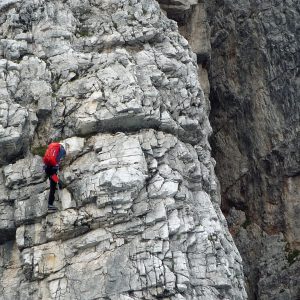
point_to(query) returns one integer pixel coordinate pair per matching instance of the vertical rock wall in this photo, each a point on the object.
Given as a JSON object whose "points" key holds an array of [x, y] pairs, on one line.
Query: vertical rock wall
{"points": [[256, 112], [253, 71], [139, 216]]}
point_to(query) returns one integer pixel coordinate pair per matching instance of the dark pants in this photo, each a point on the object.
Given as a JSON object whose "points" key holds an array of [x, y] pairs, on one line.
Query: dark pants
{"points": [[49, 172], [53, 185]]}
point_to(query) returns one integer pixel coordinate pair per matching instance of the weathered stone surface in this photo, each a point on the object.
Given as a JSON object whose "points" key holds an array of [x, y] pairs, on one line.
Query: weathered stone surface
{"points": [[255, 114], [179, 10], [254, 79], [139, 214], [7, 226], [251, 51]]}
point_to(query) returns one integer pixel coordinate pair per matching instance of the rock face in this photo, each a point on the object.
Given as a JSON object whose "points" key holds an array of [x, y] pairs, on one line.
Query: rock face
{"points": [[253, 66], [256, 113], [139, 216]]}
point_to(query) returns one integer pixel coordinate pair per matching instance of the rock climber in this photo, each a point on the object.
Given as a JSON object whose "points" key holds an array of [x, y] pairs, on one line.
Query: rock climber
{"points": [[52, 159]]}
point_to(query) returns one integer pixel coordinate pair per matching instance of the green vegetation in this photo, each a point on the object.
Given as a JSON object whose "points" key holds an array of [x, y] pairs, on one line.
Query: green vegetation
{"points": [[39, 150], [246, 223], [292, 256], [84, 32]]}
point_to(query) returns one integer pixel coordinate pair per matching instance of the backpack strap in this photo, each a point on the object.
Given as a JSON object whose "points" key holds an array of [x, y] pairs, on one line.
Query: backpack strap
{"points": [[61, 154]]}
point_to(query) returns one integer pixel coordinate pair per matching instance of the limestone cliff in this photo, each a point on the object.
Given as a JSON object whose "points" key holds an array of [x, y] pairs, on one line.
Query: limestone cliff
{"points": [[139, 216], [250, 51]]}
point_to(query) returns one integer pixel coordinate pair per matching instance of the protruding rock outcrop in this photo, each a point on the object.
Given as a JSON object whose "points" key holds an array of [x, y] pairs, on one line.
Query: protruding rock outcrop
{"points": [[139, 215]]}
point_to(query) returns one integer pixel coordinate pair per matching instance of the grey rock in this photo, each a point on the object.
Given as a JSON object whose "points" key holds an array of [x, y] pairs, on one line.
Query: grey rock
{"points": [[243, 39], [7, 225], [250, 50], [255, 115], [139, 214]]}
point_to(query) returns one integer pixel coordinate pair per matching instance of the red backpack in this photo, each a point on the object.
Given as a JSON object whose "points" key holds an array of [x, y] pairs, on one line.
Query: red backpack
{"points": [[51, 154]]}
